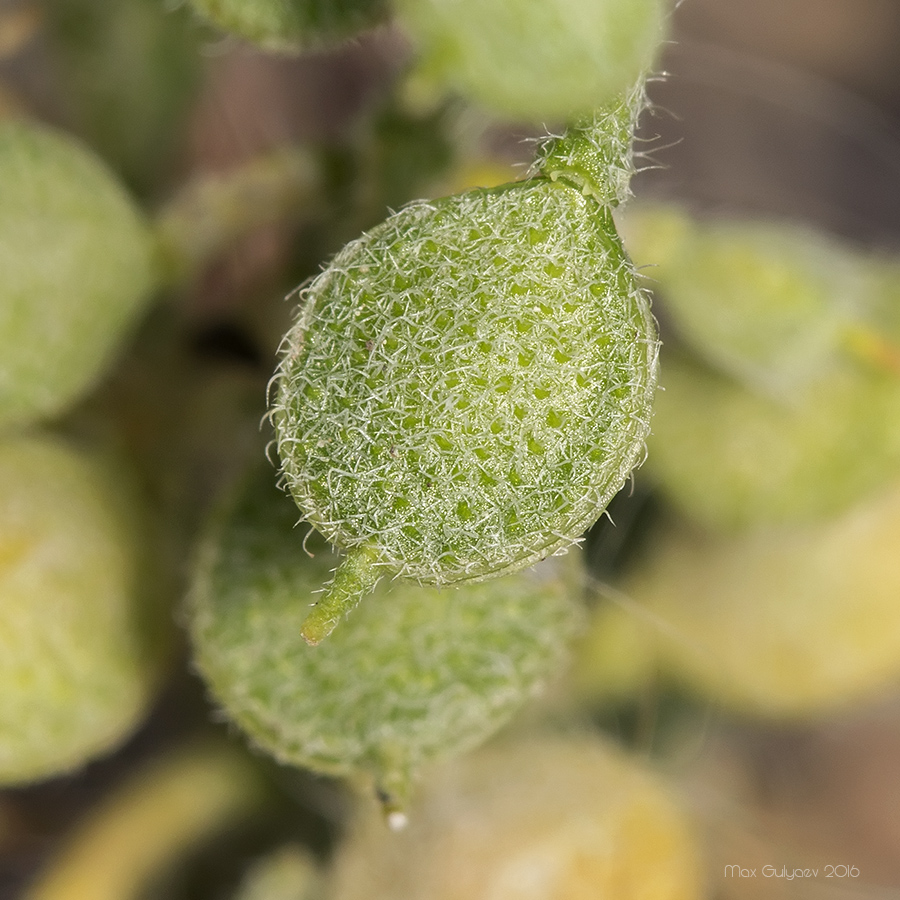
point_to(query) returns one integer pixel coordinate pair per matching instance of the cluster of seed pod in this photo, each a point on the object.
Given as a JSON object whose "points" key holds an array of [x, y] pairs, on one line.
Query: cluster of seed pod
{"points": [[464, 389], [84, 637]]}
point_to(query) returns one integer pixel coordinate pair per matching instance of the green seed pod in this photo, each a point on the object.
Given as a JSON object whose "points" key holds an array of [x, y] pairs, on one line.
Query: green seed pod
{"points": [[284, 25], [468, 384], [80, 651], [414, 674], [545, 818], [785, 623], [554, 60], [75, 268], [733, 459], [766, 303], [784, 408]]}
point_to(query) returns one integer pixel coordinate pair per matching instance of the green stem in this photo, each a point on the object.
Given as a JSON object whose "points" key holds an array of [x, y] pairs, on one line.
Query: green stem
{"points": [[355, 577], [210, 214], [596, 154]]}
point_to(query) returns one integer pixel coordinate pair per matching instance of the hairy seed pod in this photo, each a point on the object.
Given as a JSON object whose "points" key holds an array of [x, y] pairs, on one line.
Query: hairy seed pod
{"points": [[81, 649], [75, 269], [415, 673], [553, 60], [285, 25], [468, 384], [542, 818]]}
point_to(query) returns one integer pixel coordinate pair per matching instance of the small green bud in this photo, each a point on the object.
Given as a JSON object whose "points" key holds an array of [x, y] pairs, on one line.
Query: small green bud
{"points": [[284, 25], [80, 651], [542, 818], [467, 385], [553, 60], [75, 269], [414, 674]]}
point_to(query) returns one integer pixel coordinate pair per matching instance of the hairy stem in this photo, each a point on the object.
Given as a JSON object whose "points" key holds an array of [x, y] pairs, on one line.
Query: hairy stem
{"points": [[597, 153]]}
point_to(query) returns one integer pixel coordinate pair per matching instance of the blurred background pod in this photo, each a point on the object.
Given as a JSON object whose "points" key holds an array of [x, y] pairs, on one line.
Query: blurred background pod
{"points": [[551, 816], [159, 814], [76, 270], [84, 629], [766, 303], [789, 623], [550, 62], [126, 73], [289, 872], [413, 675], [781, 387], [734, 460], [293, 25]]}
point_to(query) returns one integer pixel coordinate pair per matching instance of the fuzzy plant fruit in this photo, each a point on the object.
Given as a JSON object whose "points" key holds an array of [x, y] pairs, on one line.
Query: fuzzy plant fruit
{"points": [[285, 25], [547, 817], [467, 385], [548, 61], [75, 269], [81, 648], [783, 622], [414, 674]]}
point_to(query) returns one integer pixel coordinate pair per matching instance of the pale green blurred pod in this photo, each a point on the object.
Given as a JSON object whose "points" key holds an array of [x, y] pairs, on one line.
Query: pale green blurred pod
{"points": [[82, 638], [291, 25], [781, 404], [736, 460], [784, 622], [550, 61], [287, 873], [76, 268], [547, 817], [767, 303], [415, 674], [164, 810]]}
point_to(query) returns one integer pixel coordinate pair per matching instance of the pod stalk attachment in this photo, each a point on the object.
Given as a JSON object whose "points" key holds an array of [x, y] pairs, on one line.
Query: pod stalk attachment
{"points": [[355, 577], [597, 153]]}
